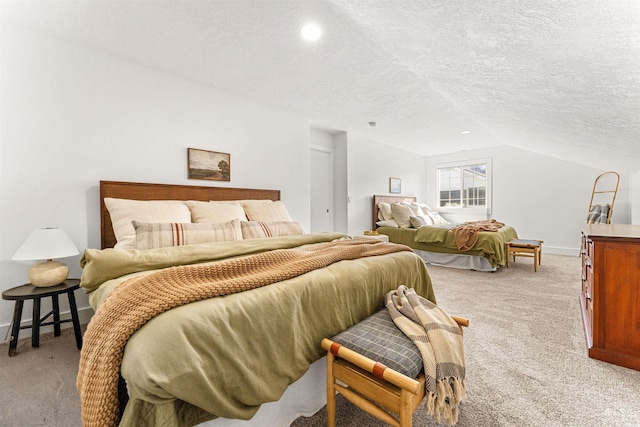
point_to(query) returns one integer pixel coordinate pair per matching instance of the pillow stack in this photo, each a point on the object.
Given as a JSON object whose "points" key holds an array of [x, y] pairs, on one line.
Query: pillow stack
{"points": [[407, 215], [148, 224]]}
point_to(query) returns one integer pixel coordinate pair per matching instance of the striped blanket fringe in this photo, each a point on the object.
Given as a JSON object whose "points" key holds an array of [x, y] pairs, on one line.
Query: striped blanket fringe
{"points": [[439, 340]]}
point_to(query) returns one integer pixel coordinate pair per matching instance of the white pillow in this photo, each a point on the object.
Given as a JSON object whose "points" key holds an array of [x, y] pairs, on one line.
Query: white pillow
{"points": [[387, 223], [215, 212], [437, 219], [401, 213], [266, 212], [425, 208], [384, 211], [124, 211], [422, 220], [417, 209]]}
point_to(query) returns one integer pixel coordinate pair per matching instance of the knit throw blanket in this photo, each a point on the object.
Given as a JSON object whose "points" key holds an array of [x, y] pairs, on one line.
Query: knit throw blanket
{"points": [[139, 299], [466, 234], [439, 341]]}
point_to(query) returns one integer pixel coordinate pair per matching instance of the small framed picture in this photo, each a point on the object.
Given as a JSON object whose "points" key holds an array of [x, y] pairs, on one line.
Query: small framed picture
{"points": [[211, 165], [395, 185]]}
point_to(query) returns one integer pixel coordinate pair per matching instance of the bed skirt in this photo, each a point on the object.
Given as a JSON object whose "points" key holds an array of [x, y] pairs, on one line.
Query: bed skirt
{"points": [[304, 397], [461, 261]]}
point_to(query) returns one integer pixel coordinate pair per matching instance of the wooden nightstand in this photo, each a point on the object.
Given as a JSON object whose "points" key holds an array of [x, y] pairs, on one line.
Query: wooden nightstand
{"points": [[29, 292]]}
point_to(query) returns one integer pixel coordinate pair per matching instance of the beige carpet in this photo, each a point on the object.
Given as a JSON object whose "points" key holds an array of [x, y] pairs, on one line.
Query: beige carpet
{"points": [[525, 351]]}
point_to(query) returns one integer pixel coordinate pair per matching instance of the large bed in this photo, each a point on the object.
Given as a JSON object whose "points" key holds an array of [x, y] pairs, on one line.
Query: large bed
{"points": [[252, 355], [436, 243]]}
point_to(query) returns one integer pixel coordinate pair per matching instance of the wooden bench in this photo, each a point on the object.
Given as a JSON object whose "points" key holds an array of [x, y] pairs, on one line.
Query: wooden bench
{"points": [[370, 384], [525, 248]]}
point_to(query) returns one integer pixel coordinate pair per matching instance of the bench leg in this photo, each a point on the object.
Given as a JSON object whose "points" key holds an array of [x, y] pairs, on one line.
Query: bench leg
{"points": [[15, 327], [331, 393], [406, 411]]}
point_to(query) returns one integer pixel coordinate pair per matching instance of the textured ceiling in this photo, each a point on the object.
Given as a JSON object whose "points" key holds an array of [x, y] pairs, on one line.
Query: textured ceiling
{"points": [[560, 78]]}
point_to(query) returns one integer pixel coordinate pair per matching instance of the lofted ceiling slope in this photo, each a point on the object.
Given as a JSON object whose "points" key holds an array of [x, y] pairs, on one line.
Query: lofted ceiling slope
{"points": [[559, 78]]}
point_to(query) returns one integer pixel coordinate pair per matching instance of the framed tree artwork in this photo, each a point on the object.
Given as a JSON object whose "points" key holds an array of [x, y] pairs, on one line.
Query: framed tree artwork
{"points": [[204, 164]]}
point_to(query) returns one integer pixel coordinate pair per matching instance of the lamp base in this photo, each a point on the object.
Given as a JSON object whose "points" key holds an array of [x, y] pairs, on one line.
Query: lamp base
{"points": [[48, 273]]}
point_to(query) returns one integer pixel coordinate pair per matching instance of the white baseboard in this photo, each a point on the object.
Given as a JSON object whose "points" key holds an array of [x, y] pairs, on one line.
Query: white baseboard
{"points": [[556, 250]]}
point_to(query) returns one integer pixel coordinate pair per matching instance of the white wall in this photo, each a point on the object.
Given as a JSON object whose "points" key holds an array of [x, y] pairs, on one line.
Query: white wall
{"points": [[634, 188], [542, 197], [72, 117], [370, 165]]}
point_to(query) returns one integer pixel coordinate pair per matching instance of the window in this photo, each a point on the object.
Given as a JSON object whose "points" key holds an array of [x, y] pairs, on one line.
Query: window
{"points": [[464, 185]]}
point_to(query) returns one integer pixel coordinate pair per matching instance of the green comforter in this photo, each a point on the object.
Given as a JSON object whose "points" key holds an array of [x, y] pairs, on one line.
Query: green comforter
{"points": [[228, 355], [439, 238]]}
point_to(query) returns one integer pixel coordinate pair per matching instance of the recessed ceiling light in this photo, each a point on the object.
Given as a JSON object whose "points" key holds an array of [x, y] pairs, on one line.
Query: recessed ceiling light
{"points": [[465, 132], [311, 32]]}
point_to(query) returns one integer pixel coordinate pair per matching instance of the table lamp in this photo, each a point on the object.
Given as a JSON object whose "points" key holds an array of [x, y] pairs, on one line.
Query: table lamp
{"points": [[46, 244]]}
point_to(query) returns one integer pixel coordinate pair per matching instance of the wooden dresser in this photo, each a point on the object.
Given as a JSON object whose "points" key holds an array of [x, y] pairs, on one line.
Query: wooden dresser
{"points": [[610, 297]]}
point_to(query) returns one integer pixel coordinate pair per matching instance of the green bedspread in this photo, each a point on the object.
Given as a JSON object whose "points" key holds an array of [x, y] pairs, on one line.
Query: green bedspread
{"points": [[491, 245], [226, 356]]}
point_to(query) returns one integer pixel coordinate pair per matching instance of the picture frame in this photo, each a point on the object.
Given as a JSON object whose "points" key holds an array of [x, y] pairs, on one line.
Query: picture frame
{"points": [[209, 165], [395, 185]]}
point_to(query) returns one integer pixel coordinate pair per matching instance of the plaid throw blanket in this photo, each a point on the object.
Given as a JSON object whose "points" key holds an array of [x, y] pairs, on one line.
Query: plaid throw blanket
{"points": [[599, 214], [439, 340], [139, 299]]}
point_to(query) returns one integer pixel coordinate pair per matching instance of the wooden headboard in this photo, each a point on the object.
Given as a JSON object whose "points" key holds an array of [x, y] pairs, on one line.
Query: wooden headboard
{"points": [[387, 199], [142, 191]]}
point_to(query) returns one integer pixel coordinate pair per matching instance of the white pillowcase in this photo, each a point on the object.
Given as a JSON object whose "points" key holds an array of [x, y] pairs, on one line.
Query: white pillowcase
{"points": [[215, 212], [387, 223], [384, 211], [401, 213], [258, 210], [420, 221], [124, 211], [437, 219], [425, 208]]}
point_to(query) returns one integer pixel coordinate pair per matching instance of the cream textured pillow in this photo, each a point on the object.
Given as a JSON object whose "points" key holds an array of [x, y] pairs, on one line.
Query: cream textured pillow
{"points": [[266, 212], [437, 219], [215, 212], [417, 209], [425, 208], [150, 235], [258, 229], [401, 213], [124, 211], [384, 210], [420, 221]]}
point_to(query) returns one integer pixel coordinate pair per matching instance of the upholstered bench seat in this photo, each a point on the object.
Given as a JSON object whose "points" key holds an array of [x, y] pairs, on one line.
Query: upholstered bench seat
{"points": [[378, 368], [379, 339], [374, 365]]}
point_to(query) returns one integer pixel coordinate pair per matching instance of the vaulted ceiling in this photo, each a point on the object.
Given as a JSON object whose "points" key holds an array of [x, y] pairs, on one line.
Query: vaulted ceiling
{"points": [[560, 78]]}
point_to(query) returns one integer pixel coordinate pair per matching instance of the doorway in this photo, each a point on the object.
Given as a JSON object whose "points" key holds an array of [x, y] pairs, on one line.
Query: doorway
{"points": [[321, 189]]}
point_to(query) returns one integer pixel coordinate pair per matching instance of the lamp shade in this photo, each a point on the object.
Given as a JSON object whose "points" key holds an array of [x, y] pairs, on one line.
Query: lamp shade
{"points": [[46, 243]]}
